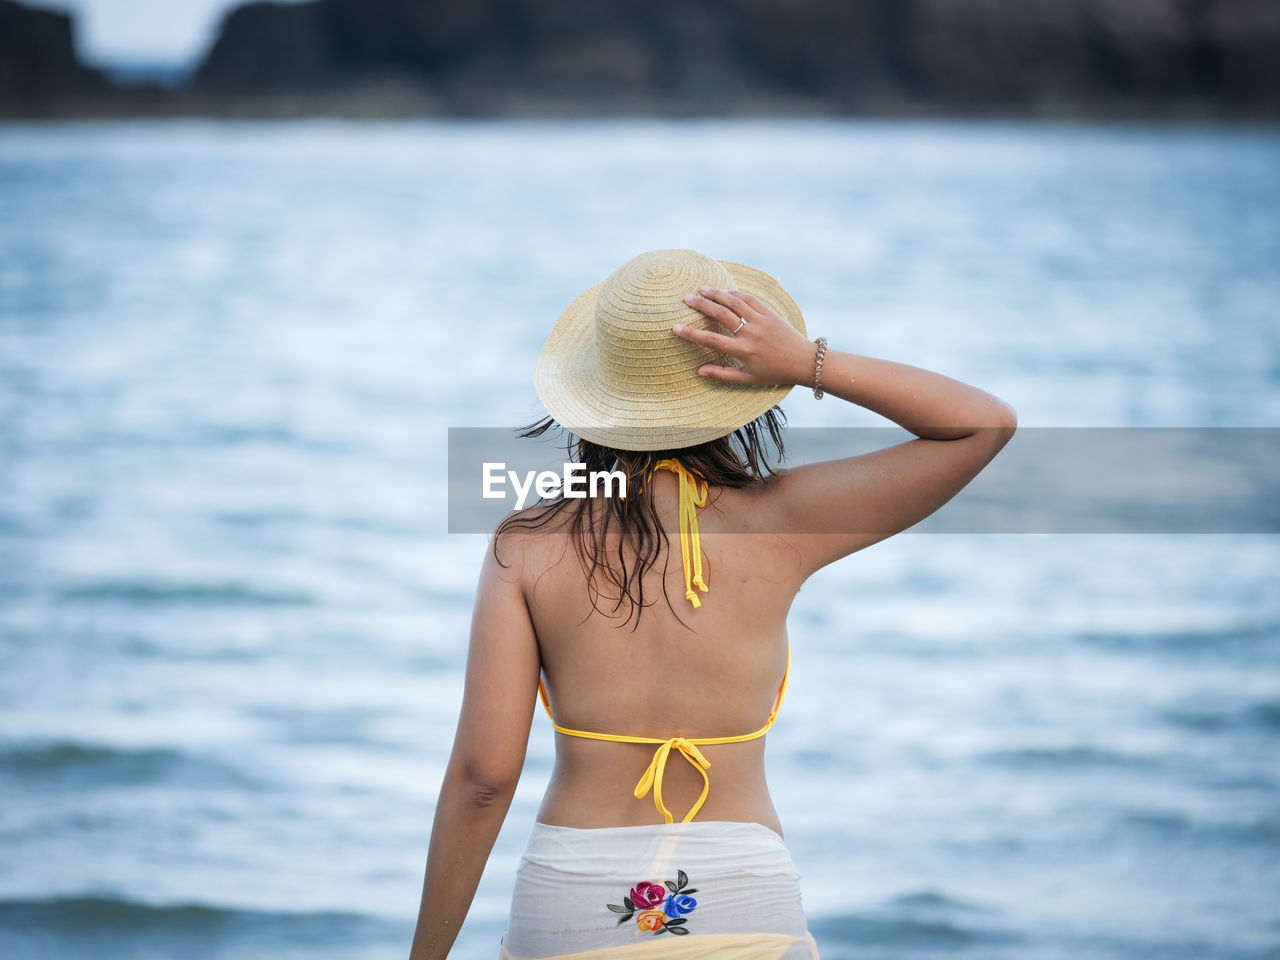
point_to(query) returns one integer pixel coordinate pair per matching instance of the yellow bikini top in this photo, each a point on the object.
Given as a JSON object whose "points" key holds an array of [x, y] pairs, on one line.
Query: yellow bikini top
{"points": [[693, 494]]}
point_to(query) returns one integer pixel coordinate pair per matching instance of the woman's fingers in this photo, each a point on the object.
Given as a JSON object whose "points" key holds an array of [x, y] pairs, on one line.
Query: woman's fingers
{"points": [[757, 345], [731, 301], [716, 311], [716, 341], [751, 301], [727, 374], [721, 344]]}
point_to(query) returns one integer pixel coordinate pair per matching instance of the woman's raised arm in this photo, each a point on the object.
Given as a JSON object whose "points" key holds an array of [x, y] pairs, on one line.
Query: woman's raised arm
{"points": [[836, 507]]}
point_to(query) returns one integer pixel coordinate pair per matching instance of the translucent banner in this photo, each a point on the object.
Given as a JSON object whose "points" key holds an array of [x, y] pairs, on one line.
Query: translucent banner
{"points": [[1046, 480]]}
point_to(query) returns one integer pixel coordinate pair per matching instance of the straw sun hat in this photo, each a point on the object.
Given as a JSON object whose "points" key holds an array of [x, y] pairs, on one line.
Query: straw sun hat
{"points": [[613, 373]]}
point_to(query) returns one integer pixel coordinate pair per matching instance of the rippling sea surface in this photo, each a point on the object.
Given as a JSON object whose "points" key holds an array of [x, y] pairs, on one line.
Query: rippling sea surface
{"points": [[232, 625]]}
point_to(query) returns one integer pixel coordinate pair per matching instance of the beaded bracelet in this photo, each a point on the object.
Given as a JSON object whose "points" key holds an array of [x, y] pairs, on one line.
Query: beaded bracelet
{"points": [[817, 367]]}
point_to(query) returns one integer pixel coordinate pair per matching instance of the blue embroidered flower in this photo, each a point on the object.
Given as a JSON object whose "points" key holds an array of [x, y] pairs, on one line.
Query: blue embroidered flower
{"points": [[679, 904]]}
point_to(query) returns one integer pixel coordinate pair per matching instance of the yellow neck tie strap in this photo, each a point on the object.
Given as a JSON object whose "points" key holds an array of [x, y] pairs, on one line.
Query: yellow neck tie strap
{"points": [[693, 494], [687, 747]]}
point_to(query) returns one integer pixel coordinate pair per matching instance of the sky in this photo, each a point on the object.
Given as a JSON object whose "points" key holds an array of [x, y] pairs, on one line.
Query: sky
{"points": [[142, 31]]}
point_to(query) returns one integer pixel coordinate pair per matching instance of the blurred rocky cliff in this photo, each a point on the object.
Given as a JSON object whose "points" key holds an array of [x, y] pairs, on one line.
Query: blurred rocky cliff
{"points": [[1200, 58], [39, 70]]}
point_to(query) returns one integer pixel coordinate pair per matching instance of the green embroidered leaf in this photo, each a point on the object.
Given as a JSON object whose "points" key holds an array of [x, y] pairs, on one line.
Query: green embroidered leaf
{"points": [[671, 886], [691, 890], [627, 901], [661, 929], [676, 923], [683, 878], [680, 931], [617, 909], [624, 919]]}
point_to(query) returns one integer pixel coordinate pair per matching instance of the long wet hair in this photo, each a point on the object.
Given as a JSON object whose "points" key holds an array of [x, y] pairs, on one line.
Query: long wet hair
{"points": [[752, 452]]}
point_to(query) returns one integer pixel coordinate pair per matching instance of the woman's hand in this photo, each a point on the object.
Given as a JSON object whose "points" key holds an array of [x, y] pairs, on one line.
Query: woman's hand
{"points": [[771, 351]]}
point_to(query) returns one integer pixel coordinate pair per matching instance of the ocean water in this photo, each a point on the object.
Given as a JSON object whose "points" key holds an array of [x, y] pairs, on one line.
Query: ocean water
{"points": [[232, 625]]}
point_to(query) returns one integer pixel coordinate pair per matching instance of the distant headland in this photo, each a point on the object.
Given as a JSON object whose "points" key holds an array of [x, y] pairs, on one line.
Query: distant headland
{"points": [[1174, 59]]}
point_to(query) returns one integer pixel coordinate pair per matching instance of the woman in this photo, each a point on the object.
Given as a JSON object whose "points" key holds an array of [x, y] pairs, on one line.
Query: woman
{"points": [[671, 667]]}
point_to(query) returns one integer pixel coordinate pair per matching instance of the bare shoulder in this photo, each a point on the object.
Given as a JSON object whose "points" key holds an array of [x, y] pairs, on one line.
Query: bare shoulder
{"points": [[528, 542]]}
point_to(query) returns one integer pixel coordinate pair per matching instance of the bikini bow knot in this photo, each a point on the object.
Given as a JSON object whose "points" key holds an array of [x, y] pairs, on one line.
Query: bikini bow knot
{"points": [[652, 776]]}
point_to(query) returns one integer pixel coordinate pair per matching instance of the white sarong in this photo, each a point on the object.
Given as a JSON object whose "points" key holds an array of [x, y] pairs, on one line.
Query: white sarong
{"points": [[704, 889]]}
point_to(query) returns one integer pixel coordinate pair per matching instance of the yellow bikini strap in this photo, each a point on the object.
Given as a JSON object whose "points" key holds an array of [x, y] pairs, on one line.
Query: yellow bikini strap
{"points": [[687, 747], [782, 692], [693, 494]]}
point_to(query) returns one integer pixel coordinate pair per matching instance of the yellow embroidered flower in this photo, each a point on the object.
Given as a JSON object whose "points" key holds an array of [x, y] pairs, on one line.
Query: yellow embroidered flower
{"points": [[650, 920]]}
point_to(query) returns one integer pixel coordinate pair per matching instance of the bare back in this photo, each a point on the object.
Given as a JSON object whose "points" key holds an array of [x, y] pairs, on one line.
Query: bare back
{"points": [[707, 672]]}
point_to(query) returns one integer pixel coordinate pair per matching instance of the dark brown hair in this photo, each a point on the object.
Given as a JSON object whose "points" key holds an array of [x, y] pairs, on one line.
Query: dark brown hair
{"points": [[752, 452]]}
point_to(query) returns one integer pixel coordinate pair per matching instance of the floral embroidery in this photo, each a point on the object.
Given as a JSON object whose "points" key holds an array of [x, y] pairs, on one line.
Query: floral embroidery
{"points": [[658, 907]]}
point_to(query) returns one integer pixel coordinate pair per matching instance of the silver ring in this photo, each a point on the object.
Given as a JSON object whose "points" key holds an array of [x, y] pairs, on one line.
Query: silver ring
{"points": [[742, 322]]}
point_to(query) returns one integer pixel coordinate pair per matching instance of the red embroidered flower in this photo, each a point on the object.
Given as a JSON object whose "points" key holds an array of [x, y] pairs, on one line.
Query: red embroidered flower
{"points": [[646, 895]]}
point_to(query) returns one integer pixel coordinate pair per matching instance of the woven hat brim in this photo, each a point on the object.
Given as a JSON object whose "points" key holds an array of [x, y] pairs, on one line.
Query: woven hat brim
{"points": [[568, 383]]}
